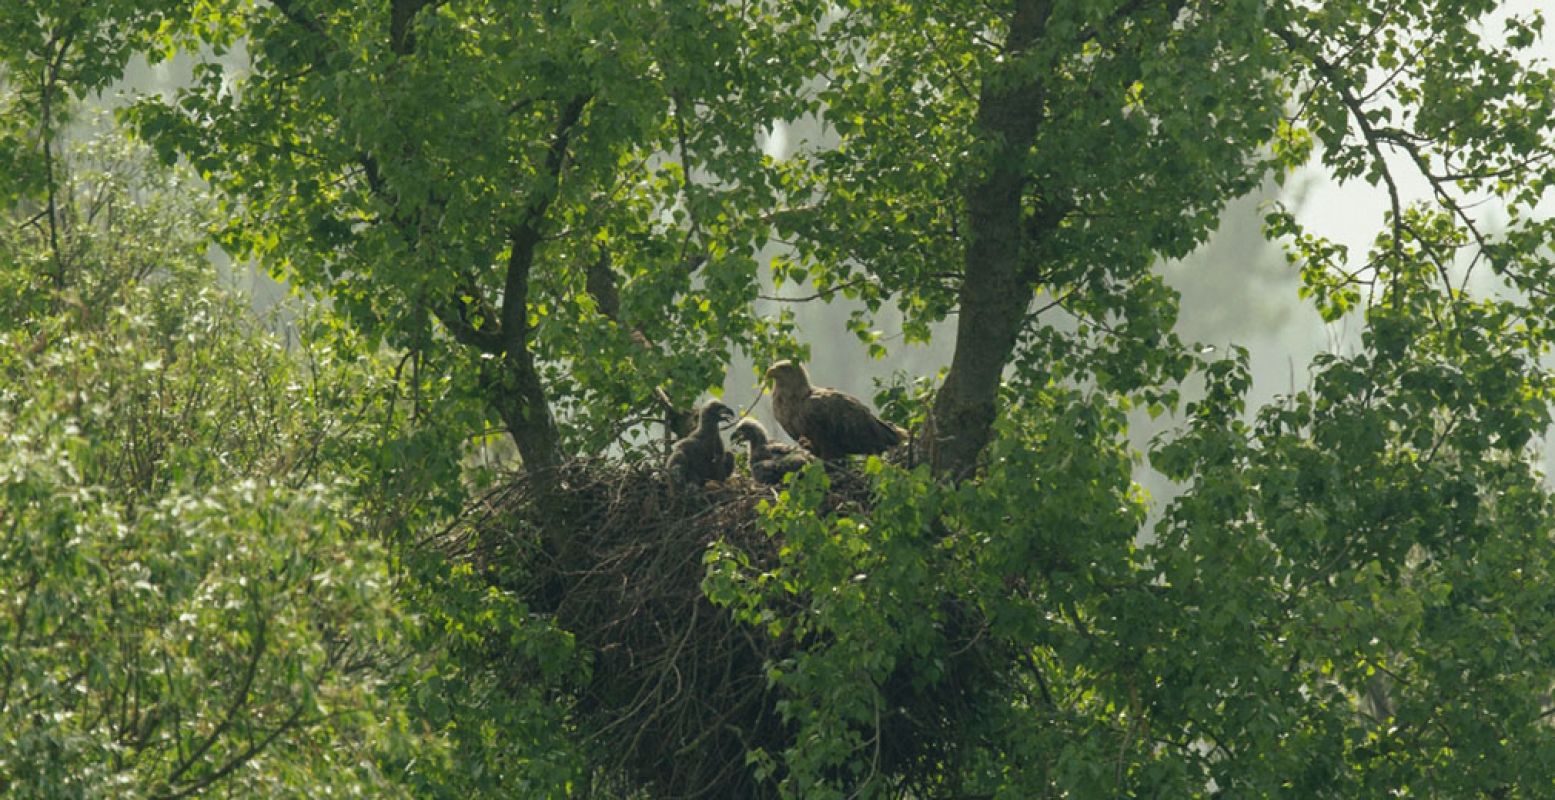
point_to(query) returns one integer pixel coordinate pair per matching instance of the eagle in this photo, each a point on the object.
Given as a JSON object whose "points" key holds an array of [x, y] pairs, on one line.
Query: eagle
{"points": [[831, 424], [770, 461], [700, 457]]}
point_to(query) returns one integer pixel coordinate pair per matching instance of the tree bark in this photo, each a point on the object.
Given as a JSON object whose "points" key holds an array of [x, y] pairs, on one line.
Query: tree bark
{"points": [[996, 290], [518, 395]]}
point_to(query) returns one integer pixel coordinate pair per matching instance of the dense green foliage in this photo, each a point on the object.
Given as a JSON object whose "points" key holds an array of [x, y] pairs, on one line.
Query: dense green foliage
{"points": [[185, 602], [220, 568]]}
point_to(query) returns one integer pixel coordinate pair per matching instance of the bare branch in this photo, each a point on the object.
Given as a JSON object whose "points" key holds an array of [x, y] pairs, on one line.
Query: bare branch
{"points": [[823, 294]]}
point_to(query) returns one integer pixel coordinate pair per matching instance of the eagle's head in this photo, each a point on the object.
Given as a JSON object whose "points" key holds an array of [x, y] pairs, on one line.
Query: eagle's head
{"points": [[749, 431], [788, 377], [715, 412]]}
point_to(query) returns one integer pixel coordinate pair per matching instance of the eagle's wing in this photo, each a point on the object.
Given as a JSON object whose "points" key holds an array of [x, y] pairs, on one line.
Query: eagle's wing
{"points": [[839, 424]]}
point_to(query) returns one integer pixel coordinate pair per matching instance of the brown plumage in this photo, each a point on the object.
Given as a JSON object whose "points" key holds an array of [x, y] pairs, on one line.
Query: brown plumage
{"points": [[700, 457], [769, 460], [830, 423]]}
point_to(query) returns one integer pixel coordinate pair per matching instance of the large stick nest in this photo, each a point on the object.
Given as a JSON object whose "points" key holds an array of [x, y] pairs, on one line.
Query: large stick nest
{"points": [[678, 694]]}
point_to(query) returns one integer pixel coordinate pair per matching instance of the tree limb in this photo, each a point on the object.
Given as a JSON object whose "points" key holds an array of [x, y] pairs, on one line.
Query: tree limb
{"points": [[239, 697], [525, 236], [518, 394], [1332, 75], [402, 35], [294, 15]]}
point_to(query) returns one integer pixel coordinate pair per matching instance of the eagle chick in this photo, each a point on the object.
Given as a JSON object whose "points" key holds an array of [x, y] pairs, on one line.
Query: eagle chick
{"points": [[700, 457], [769, 460]]}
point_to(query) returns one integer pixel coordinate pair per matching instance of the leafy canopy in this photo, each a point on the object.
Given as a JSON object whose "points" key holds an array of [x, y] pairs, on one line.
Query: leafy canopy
{"points": [[555, 209]]}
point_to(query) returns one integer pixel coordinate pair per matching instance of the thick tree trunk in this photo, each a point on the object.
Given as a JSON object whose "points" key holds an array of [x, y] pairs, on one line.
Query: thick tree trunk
{"points": [[997, 288]]}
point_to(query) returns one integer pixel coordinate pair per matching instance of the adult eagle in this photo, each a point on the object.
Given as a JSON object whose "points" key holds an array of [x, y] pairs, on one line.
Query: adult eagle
{"points": [[700, 457], [770, 460], [831, 424]]}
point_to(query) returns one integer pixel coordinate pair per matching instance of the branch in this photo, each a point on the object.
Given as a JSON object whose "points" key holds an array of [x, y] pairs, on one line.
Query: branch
{"points": [[677, 421], [525, 236], [599, 280], [19, 622], [600, 283], [242, 758], [1412, 145], [374, 175], [239, 698], [1049, 215], [402, 38], [293, 14], [455, 318], [823, 294], [51, 71], [1336, 80], [1398, 140], [688, 190], [1403, 66], [453, 312]]}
